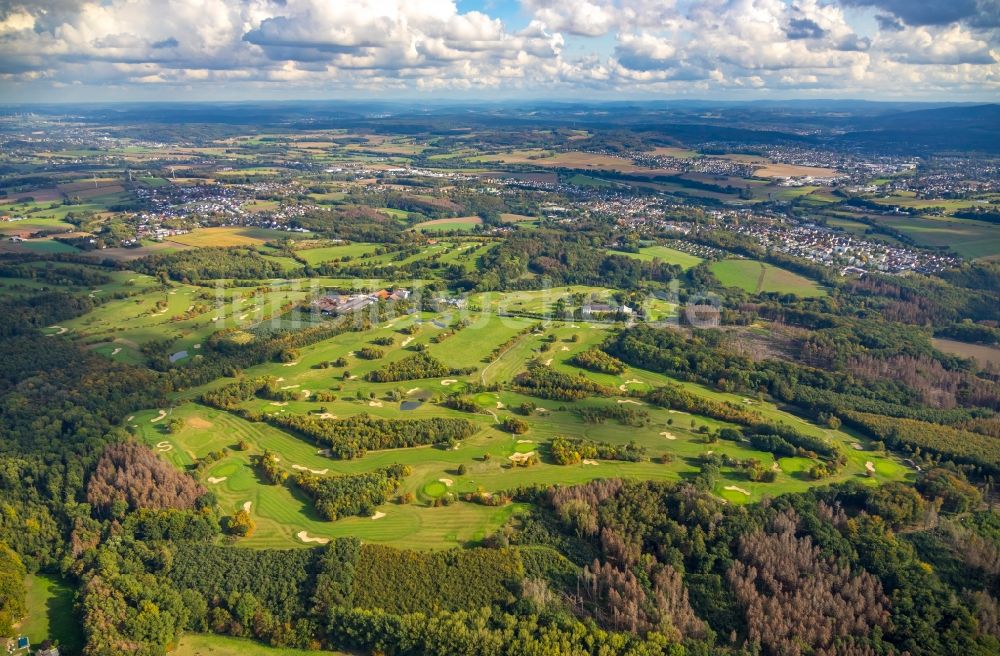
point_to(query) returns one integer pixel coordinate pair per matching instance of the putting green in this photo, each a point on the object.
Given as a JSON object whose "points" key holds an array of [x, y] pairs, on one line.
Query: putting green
{"points": [[435, 489]]}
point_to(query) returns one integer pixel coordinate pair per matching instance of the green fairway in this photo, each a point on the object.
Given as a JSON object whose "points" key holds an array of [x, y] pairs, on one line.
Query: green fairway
{"points": [[285, 517], [760, 277], [51, 614]]}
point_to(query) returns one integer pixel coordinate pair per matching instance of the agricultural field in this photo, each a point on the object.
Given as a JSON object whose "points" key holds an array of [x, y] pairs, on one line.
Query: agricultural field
{"points": [[983, 354], [772, 170], [760, 277], [231, 236], [571, 160], [463, 223], [968, 238]]}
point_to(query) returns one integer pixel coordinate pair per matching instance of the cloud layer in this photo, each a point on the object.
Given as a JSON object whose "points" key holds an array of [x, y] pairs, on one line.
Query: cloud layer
{"points": [[556, 48]]}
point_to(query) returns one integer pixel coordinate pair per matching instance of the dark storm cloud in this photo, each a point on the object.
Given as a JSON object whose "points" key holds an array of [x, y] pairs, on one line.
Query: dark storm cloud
{"points": [[804, 28], [979, 13]]}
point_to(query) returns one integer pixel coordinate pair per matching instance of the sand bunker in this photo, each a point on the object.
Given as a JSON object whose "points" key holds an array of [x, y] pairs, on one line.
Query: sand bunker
{"points": [[734, 488], [412, 390], [320, 472], [163, 447], [116, 351], [327, 415], [60, 331], [289, 386], [668, 435], [289, 364], [500, 406], [246, 505], [213, 480], [305, 537], [857, 446], [378, 515], [632, 401], [306, 393], [677, 412], [279, 380], [324, 452], [589, 462], [870, 467], [196, 346], [242, 317], [407, 341], [541, 409], [448, 381], [163, 413], [775, 467], [130, 418], [633, 381], [563, 348], [548, 362], [746, 400], [279, 403], [375, 404], [520, 457], [447, 481], [526, 441]]}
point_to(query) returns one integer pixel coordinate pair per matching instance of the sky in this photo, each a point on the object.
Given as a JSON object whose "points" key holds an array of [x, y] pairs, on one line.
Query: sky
{"points": [[572, 50]]}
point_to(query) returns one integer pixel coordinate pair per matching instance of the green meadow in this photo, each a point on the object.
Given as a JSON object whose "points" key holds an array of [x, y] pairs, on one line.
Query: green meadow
{"points": [[760, 277]]}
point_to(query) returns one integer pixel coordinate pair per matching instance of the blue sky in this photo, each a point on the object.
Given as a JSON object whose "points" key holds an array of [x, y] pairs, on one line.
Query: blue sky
{"points": [[73, 50]]}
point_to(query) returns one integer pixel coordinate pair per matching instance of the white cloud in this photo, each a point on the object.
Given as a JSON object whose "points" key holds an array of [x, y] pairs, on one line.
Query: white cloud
{"points": [[618, 46]]}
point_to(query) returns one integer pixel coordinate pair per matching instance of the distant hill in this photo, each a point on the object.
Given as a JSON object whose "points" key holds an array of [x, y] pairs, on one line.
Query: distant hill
{"points": [[975, 128]]}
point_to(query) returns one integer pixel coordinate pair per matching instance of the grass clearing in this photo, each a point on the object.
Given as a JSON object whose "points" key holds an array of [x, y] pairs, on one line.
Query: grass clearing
{"points": [[51, 614], [203, 644]]}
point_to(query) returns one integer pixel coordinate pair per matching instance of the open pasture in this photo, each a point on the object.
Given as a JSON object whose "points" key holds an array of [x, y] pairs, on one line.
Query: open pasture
{"points": [[968, 238], [760, 277], [664, 254], [324, 254]]}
